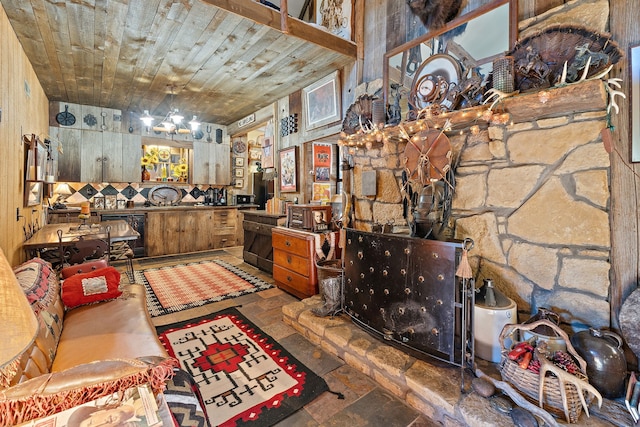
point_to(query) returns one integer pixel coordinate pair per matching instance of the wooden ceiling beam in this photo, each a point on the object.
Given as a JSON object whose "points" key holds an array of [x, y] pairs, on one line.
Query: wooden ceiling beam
{"points": [[265, 15]]}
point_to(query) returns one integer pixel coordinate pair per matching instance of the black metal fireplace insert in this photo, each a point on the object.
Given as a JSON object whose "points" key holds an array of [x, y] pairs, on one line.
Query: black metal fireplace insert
{"points": [[404, 290]]}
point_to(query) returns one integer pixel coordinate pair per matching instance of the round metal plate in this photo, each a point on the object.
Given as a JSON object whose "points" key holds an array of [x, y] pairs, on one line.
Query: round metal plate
{"points": [[164, 195]]}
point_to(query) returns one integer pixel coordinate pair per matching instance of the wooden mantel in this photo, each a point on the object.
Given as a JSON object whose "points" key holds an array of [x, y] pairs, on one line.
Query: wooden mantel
{"points": [[590, 95]]}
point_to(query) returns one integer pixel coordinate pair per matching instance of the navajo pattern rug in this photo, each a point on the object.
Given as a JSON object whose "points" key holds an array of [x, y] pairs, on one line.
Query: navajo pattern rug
{"points": [[244, 376], [180, 287]]}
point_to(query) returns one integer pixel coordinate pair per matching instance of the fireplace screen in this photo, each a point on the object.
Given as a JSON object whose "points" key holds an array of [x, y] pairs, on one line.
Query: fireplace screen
{"points": [[404, 290]]}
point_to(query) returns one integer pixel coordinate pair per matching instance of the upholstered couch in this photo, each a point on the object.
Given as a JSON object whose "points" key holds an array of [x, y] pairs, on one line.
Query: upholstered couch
{"points": [[80, 353]]}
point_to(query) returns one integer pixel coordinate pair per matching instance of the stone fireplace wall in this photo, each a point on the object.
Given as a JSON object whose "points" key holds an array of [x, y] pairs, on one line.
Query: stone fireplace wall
{"points": [[532, 193]]}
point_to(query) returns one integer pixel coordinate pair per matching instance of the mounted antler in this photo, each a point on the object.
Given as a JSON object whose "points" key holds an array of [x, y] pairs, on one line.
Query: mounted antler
{"points": [[541, 352], [564, 378]]}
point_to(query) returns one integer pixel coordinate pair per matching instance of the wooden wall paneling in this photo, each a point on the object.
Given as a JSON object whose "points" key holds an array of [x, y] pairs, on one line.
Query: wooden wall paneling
{"points": [[625, 176], [25, 110]]}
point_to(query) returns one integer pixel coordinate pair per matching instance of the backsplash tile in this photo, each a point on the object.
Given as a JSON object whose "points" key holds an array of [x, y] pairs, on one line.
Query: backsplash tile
{"points": [[127, 191]]}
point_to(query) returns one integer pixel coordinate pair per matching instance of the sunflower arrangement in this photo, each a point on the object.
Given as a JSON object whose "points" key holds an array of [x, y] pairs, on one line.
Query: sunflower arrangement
{"points": [[180, 170], [150, 158]]}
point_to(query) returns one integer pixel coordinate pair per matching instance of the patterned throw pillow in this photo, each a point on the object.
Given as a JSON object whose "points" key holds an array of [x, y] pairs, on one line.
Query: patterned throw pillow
{"points": [[92, 287], [39, 283]]}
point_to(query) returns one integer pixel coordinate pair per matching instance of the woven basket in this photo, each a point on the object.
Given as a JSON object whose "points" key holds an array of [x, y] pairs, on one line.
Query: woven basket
{"points": [[527, 382]]}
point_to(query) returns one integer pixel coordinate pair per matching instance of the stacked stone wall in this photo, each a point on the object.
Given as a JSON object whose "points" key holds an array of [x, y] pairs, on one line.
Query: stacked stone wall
{"points": [[534, 196]]}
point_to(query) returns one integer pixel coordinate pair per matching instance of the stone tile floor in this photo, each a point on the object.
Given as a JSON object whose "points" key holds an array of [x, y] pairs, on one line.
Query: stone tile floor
{"points": [[366, 403]]}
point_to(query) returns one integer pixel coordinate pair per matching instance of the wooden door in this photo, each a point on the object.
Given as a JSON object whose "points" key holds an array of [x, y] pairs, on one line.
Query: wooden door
{"points": [[69, 162], [201, 162], [203, 230], [112, 157], [221, 164], [186, 223], [172, 232], [91, 156], [153, 233], [131, 154]]}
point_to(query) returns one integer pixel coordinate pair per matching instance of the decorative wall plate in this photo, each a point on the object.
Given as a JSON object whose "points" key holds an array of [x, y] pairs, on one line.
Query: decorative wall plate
{"points": [[239, 146], [198, 134], [164, 154], [164, 195], [65, 118]]}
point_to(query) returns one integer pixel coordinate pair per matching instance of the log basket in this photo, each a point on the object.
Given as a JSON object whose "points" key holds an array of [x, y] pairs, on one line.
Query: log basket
{"points": [[554, 388]]}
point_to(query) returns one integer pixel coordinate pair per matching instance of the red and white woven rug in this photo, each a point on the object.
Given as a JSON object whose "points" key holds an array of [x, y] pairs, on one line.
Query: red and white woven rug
{"points": [[244, 376], [180, 287]]}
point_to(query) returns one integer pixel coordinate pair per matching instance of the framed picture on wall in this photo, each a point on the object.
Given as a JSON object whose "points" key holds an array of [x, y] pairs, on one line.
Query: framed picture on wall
{"points": [[98, 202], [110, 201], [322, 162], [239, 173], [239, 183], [267, 152], [321, 102], [239, 161], [288, 169]]}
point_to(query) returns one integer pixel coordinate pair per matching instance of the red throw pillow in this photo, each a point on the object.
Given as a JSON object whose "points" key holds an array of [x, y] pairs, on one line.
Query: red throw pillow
{"points": [[92, 287]]}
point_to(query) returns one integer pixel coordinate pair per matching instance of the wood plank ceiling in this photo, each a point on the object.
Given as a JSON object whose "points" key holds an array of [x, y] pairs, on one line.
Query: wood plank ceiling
{"points": [[132, 54]]}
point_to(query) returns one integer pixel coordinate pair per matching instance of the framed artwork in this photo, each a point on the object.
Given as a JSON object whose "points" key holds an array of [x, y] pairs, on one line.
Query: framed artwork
{"points": [[321, 192], [288, 167], [634, 75], [33, 193], [322, 162], [255, 153], [110, 201], [321, 102], [239, 183], [239, 161], [335, 16], [122, 203], [239, 173], [98, 202], [267, 152]]}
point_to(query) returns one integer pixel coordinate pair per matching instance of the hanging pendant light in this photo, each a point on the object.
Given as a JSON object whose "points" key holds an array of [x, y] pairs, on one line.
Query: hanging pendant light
{"points": [[194, 123]]}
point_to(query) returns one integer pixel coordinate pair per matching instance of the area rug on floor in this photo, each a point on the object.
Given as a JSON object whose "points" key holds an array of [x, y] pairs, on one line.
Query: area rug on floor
{"points": [[184, 286], [244, 376]]}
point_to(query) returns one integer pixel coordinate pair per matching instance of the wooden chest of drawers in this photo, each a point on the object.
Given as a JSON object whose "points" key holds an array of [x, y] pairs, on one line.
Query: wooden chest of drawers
{"points": [[294, 261], [258, 250]]}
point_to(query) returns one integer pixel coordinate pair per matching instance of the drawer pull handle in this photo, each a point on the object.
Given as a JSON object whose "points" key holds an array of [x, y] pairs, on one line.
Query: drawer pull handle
{"points": [[287, 243], [224, 240], [289, 278], [288, 260]]}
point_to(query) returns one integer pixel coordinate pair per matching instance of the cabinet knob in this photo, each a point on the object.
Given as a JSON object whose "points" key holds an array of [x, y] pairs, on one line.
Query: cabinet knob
{"points": [[288, 260], [287, 243], [289, 278]]}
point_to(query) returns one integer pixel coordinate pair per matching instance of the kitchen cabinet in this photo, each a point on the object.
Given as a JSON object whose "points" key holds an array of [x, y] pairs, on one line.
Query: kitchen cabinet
{"points": [[173, 232], [294, 256], [211, 163], [94, 156]]}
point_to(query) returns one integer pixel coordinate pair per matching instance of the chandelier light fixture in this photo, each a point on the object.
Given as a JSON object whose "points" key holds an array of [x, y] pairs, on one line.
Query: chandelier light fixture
{"points": [[172, 122]]}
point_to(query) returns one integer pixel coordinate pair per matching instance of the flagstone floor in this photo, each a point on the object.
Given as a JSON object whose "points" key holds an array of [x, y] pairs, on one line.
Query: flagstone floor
{"points": [[366, 402]]}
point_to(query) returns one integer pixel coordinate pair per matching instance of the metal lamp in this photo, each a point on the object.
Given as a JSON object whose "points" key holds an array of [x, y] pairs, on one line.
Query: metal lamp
{"points": [[18, 321], [63, 191]]}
